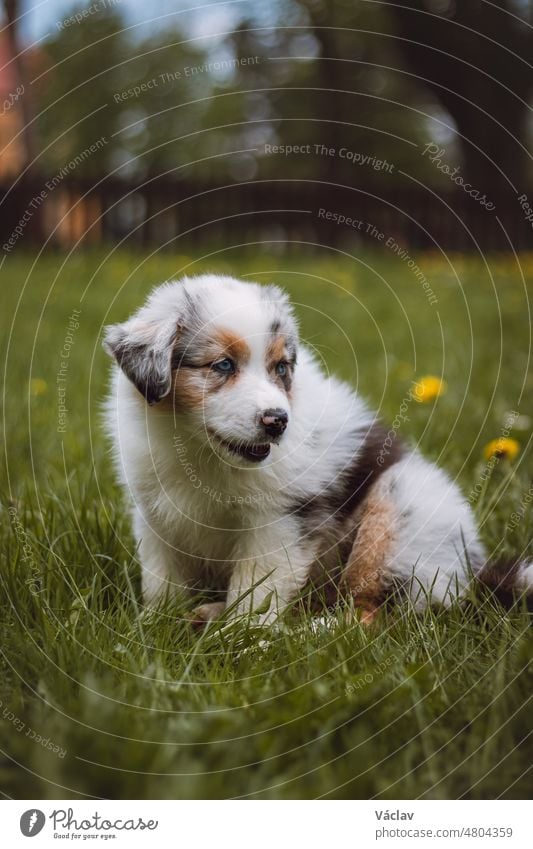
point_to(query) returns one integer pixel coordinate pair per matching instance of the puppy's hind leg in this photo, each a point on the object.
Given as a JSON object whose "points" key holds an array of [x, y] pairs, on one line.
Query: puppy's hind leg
{"points": [[366, 576], [414, 527]]}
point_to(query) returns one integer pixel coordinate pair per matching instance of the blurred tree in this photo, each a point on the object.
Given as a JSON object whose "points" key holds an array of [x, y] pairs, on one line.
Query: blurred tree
{"points": [[147, 98], [296, 72], [330, 75], [475, 56], [165, 90], [12, 15], [76, 92]]}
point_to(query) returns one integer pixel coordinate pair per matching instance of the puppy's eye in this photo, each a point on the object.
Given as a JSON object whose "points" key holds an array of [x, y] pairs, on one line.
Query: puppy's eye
{"points": [[225, 366], [282, 369]]}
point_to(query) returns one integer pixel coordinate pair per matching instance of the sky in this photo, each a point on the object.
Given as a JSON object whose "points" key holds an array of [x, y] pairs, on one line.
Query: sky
{"points": [[42, 18]]}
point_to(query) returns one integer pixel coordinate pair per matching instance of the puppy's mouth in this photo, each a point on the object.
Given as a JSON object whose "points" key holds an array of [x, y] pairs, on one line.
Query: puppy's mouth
{"points": [[254, 452]]}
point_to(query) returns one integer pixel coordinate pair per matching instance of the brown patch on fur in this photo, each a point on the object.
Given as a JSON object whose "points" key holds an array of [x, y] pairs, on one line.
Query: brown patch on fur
{"points": [[217, 344], [276, 352], [365, 575], [229, 344], [188, 388], [192, 381]]}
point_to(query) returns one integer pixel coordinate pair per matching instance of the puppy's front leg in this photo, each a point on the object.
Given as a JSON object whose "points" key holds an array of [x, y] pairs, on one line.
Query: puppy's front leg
{"points": [[161, 573], [280, 571]]}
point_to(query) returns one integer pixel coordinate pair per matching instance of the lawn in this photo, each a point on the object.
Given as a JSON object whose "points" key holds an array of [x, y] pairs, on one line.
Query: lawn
{"points": [[98, 700]]}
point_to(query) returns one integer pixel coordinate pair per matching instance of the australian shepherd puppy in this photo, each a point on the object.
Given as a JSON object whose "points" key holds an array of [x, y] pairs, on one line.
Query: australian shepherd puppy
{"points": [[244, 461]]}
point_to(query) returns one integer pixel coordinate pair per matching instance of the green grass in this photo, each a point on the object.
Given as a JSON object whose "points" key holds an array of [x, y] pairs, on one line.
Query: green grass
{"points": [[432, 706]]}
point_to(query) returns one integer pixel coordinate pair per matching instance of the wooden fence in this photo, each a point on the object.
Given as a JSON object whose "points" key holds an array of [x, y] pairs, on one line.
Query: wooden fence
{"points": [[181, 215]]}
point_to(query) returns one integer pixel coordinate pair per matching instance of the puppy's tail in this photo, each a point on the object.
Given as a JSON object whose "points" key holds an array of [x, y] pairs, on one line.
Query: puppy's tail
{"points": [[509, 579]]}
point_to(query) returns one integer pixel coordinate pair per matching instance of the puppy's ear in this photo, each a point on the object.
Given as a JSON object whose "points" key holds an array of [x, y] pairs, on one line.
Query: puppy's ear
{"points": [[143, 350]]}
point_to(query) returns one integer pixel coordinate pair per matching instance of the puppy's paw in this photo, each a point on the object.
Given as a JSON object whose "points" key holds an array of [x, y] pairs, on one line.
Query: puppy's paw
{"points": [[361, 610], [205, 613], [367, 613]]}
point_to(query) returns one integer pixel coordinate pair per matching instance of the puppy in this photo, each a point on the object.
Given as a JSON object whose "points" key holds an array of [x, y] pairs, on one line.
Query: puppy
{"points": [[251, 470]]}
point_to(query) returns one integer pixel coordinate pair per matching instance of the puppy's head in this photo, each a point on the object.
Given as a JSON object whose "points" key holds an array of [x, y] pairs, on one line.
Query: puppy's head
{"points": [[222, 352]]}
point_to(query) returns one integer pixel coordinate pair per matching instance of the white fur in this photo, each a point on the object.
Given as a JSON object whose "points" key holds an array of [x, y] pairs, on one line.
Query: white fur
{"points": [[197, 506], [525, 577]]}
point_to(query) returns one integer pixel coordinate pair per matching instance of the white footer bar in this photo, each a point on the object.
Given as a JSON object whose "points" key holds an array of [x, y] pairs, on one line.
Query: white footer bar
{"points": [[267, 824]]}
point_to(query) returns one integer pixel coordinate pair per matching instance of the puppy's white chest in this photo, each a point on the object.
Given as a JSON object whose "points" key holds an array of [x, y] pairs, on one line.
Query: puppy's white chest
{"points": [[207, 524]]}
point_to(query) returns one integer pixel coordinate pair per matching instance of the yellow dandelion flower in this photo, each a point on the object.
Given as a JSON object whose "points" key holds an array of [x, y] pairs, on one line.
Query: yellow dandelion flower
{"points": [[38, 386], [428, 388], [504, 447]]}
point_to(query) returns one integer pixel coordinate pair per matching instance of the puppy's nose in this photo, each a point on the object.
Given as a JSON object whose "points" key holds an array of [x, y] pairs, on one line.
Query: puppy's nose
{"points": [[274, 421]]}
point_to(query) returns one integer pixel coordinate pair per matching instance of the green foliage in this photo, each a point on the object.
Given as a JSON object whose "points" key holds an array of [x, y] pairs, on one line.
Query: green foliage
{"points": [[432, 706], [331, 74], [75, 93], [294, 73]]}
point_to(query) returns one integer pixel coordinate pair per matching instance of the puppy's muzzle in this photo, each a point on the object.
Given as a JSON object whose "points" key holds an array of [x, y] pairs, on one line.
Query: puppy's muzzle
{"points": [[274, 422]]}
